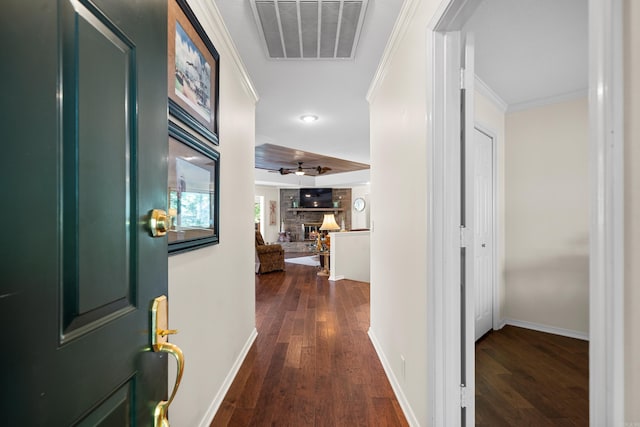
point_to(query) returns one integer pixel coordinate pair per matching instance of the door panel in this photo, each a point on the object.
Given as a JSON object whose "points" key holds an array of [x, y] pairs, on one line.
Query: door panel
{"points": [[483, 229], [98, 146], [85, 146], [104, 150], [113, 411]]}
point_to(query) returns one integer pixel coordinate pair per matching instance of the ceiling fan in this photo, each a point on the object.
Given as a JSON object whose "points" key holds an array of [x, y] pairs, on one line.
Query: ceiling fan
{"points": [[301, 170]]}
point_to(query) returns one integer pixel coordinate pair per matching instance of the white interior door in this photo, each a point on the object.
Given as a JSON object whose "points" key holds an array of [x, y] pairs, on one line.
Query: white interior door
{"points": [[483, 232]]}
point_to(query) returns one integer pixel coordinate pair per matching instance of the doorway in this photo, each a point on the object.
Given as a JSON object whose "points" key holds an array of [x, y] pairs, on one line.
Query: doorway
{"points": [[605, 223], [258, 214]]}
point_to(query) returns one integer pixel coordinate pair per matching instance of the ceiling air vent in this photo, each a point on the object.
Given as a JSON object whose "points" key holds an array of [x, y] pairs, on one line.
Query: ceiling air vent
{"points": [[305, 29]]}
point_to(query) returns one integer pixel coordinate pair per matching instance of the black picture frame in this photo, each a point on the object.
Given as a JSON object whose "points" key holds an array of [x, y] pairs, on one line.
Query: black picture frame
{"points": [[193, 72], [193, 192]]}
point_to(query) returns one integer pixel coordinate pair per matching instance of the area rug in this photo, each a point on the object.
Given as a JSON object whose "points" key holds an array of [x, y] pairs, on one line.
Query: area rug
{"points": [[305, 260]]}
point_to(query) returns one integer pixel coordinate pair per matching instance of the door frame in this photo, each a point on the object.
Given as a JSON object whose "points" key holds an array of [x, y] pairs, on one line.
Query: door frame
{"points": [[606, 187]]}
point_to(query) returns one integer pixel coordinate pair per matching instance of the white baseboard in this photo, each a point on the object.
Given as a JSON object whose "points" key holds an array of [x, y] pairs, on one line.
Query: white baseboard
{"points": [[397, 390], [217, 401], [546, 328], [336, 278]]}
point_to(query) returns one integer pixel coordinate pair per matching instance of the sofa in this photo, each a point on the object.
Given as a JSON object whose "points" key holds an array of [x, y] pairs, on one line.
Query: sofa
{"points": [[268, 257]]}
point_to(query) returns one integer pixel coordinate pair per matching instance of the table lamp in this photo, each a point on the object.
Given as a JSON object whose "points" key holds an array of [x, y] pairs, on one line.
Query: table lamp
{"points": [[328, 224]]}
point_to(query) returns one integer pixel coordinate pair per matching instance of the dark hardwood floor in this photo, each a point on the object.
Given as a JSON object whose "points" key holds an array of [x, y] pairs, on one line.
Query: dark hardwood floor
{"points": [[530, 378], [312, 363]]}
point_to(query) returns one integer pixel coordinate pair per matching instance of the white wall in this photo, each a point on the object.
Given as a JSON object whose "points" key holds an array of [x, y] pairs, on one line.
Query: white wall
{"points": [[361, 219], [547, 216], [211, 290], [490, 117], [398, 132], [632, 210], [270, 194], [350, 257]]}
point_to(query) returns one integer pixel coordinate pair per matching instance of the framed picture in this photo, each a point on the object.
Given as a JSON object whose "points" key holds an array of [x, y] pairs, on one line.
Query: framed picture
{"points": [[193, 72], [193, 192], [272, 212]]}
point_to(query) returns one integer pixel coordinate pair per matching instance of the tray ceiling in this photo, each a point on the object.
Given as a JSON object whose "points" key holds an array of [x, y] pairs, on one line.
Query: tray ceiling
{"points": [[274, 157]]}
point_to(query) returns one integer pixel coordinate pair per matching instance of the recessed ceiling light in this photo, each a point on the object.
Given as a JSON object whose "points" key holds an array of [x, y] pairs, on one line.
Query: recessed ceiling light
{"points": [[308, 118]]}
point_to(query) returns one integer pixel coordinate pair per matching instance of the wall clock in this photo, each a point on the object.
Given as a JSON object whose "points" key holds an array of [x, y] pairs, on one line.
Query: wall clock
{"points": [[358, 204]]}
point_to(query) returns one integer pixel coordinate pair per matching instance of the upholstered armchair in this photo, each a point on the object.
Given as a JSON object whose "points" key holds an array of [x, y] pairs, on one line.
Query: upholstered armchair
{"points": [[268, 257]]}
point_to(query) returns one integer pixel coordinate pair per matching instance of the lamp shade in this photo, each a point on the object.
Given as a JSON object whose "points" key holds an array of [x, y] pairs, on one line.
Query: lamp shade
{"points": [[329, 223]]}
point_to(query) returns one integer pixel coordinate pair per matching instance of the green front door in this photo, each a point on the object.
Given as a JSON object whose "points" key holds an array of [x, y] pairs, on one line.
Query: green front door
{"points": [[84, 146]]}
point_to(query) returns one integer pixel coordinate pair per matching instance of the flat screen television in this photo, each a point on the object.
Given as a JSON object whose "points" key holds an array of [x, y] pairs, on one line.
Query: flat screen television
{"points": [[316, 198]]}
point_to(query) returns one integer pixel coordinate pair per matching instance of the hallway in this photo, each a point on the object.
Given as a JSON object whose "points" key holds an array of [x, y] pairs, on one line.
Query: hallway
{"points": [[312, 363]]}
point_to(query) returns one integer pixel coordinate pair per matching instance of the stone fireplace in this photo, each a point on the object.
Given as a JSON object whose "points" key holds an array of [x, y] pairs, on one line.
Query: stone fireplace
{"points": [[301, 224]]}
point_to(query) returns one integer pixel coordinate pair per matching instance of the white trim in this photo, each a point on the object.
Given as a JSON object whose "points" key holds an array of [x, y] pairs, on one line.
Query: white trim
{"points": [[397, 34], [335, 278], [224, 388], [435, 234], [395, 385], [487, 92], [468, 174], [212, 22], [451, 15], [451, 244], [606, 291], [443, 228], [546, 328], [541, 102]]}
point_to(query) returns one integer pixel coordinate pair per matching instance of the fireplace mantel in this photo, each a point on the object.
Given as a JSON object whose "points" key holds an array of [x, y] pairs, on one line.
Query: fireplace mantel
{"points": [[296, 210]]}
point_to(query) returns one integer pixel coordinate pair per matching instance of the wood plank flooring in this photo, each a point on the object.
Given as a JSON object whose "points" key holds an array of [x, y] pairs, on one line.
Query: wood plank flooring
{"points": [[312, 363], [530, 378]]}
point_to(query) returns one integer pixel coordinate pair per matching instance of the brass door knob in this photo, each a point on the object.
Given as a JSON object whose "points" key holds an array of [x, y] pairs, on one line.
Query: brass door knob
{"points": [[158, 222]]}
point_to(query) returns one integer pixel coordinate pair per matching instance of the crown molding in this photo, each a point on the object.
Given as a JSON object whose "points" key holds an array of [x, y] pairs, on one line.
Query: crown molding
{"points": [[484, 89], [397, 34], [209, 16], [541, 102], [487, 92]]}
